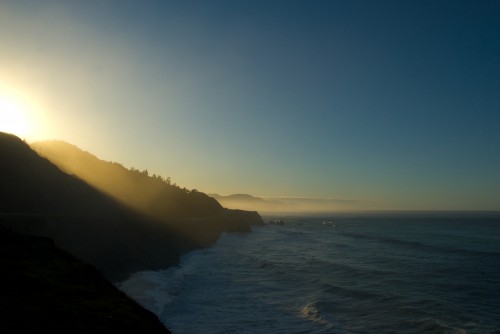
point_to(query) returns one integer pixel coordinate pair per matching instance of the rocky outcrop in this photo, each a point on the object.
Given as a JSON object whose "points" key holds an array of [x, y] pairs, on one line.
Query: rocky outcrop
{"points": [[203, 232]]}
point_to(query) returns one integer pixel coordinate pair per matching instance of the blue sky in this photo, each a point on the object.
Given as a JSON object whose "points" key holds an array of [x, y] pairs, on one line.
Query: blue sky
{"points": [[389, 102]]}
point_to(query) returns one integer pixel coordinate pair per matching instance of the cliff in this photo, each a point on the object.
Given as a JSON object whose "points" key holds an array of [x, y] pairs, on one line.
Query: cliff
{"points": [[152, 195], [44, 289], [38, 198], [144, 223]]}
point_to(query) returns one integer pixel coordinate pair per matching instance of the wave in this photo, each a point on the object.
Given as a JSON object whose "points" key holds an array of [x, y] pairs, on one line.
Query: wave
{"points": [[422, 246], [302, 279], [156, 290], [431, 325]]}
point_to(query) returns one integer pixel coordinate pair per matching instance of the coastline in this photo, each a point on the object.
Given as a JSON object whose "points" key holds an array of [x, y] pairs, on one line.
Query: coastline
{"points": [[369, 268], [69, 231], [142, 286]]}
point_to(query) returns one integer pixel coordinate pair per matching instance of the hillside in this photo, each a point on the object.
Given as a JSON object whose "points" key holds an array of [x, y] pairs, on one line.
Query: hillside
{"points": [[37, 198], [47, 214], [44, 289], [150, 194], [30, 184], [198, 218]]}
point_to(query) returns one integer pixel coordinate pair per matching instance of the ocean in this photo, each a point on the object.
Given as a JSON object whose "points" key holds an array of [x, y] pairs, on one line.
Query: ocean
{"points": [[380, 273]]}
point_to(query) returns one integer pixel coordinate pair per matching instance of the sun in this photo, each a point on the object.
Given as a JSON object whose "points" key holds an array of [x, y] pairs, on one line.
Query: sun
{"points": [[14, 116]]}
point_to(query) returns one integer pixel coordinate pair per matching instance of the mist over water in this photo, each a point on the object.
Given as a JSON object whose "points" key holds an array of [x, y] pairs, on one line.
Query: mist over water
{"points": [[336, 274]]}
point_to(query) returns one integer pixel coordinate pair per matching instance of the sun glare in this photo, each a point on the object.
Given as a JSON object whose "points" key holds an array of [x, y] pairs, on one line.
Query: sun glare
{"points": [[14, 116]]}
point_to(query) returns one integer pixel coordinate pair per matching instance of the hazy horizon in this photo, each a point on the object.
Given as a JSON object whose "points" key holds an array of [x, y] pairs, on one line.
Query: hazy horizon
{"points": [[358, 105]]}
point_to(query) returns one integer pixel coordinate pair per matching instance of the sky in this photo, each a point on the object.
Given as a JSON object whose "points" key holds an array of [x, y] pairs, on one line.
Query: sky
{"points": [[388, 104]]}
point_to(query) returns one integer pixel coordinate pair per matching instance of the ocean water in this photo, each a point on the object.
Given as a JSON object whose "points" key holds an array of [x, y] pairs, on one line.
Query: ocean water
{"points": [[336, 274]]}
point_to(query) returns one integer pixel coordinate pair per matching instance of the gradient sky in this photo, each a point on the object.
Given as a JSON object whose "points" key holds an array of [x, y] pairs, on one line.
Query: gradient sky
{"points": [[395, 104]]}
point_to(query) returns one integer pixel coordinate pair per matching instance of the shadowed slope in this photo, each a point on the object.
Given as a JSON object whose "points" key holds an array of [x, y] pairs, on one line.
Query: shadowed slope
{"points": [[38, 198], [197, 217], [45, 289], [30, 184]]}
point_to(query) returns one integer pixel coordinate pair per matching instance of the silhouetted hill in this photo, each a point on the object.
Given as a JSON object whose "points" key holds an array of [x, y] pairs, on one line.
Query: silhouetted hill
{"points": [[193, 214], [44, 289], [39, 199], [33, 185], [150, 194], [36, 197]]}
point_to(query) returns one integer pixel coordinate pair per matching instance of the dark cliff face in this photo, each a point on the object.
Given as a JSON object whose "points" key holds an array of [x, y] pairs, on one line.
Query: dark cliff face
{"points": [[205, 231], [64, 295], [44, 289], [197, 218], [36, 197], [30, 184]]}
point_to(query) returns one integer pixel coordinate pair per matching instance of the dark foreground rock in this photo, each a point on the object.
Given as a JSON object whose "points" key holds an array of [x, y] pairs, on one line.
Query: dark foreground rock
{"points": [[44, 289]]}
